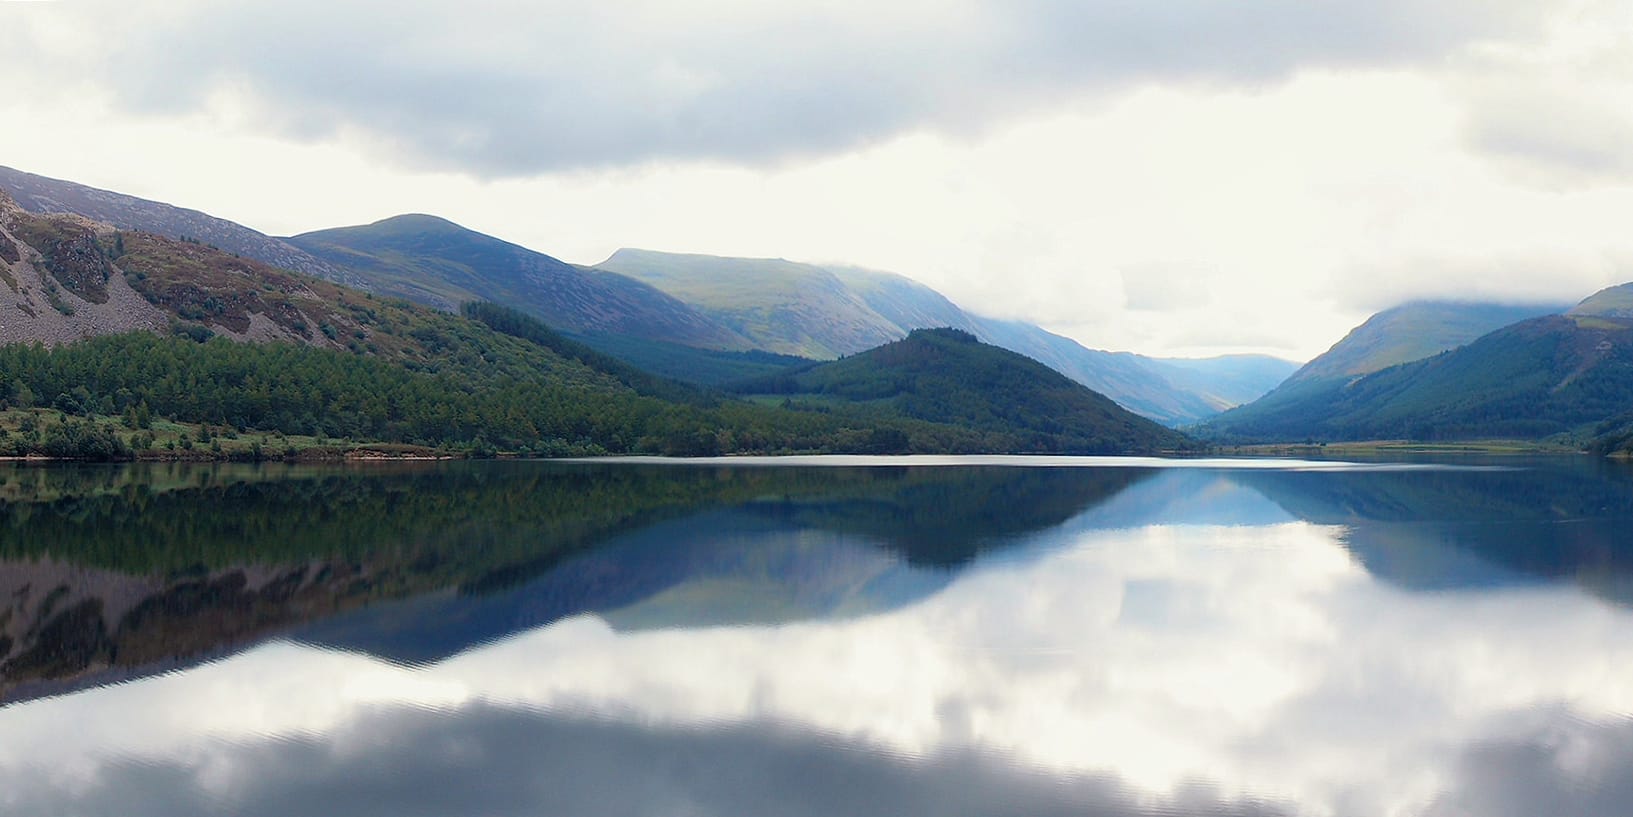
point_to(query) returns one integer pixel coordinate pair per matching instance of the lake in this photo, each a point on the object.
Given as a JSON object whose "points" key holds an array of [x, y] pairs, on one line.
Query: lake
{"points": [[819, 636]]}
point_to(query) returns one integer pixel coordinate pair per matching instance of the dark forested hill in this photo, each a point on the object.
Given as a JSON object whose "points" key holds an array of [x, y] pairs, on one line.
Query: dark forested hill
{"points": [[948, 376]]}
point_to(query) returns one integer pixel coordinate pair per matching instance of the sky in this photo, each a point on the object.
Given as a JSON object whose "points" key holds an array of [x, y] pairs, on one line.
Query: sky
{"points": [[1184, 178]]}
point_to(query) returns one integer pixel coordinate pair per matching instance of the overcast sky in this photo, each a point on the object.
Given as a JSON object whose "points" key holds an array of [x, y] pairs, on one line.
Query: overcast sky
{"points": [[1175, 177]]}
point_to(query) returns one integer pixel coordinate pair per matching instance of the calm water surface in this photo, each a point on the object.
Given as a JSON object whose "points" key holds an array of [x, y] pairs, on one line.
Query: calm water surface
{"points": [[824, 637]]}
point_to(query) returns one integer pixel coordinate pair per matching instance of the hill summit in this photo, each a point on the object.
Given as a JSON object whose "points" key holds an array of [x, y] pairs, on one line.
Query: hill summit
{"points": [[947, 375]]}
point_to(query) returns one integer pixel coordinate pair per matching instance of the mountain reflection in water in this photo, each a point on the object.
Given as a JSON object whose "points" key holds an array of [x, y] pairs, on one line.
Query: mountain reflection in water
{"points": [[521, 638]]}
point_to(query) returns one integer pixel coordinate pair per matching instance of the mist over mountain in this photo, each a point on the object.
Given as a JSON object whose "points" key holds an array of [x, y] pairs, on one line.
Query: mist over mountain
{"points": [[825, 312]]}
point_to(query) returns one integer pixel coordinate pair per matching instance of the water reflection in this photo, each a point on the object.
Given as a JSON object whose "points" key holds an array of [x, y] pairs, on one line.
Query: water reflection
{"points": [[1192, 641], [115, 572], [406, 762]]}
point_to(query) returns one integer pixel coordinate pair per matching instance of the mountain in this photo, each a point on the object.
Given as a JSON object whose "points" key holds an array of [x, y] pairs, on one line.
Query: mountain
{"points": [[1569, 374], [108, 323], [826, 312], [695, 308], [41, 195], [1414, 331], [1302, 407], [1122, 377], [948, 376], [780, 306], [433, 261], [905, 302], [1225, 381], [1613, 304]]}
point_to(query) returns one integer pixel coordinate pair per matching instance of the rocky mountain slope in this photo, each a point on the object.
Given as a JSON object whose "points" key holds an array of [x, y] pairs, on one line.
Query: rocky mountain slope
{"points": [[42, 195]]}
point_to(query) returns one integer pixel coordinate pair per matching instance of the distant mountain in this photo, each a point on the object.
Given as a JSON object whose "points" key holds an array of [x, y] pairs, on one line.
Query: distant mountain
{"points": [[1613, 304], [1414, 331], [1568, 374], [1302, 406], [1122, 377], [905, 302], [38, 194], [948, 376], [1225, 381], [780, 306], [433, 261], [826, 312]]}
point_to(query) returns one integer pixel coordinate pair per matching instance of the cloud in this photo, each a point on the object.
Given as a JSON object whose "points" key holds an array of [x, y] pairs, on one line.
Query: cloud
{"points": [[1560, 766], [1554, 139], [1554, 116], [1518, 277], [516, 88], [485, 759]]}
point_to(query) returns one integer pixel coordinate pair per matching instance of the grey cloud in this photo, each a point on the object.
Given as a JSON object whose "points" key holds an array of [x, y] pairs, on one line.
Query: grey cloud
{"points": [[1560, 278], [1552, 140], [1563, 767], [496, 761], [505, 89]]}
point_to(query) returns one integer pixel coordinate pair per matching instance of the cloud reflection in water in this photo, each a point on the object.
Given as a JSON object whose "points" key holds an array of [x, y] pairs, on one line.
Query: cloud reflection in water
{"points": [[1104, 671]]}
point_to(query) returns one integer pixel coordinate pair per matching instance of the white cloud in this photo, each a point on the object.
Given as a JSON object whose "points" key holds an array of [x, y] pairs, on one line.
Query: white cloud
{"points": [[1289, 168], [511, 88]]}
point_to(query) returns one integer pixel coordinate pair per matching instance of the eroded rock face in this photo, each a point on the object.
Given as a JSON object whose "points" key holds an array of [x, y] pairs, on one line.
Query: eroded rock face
{"points": [[57, 284]]}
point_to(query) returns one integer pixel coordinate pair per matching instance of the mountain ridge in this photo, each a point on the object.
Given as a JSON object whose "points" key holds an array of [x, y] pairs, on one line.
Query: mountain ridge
{"points": [[431, 260], [1301, 407], [44, 195], [1163, 389]]}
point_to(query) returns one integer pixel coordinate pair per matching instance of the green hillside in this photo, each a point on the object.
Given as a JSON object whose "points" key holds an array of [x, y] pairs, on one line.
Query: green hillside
{"points": [[1301, 407], [690, 364], [433, 261], [947, 376], [1554, 375], [1614, 303], [1414, 331]]}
